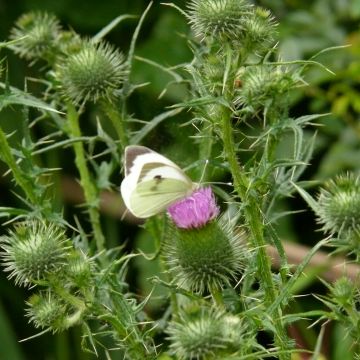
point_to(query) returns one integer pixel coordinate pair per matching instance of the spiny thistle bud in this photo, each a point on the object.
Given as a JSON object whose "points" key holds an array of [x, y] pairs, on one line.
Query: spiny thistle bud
{"points": [[80, 269], [220, 20], [343, 291], [259, 30], [263, 86], [69, 42], [33, 250], [205, 334], [202, 252], [36, 35], [339, 205], [94, 73], [47, 311]]}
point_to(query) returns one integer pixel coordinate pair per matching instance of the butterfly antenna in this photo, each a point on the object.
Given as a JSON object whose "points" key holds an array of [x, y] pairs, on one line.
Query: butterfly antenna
{"points": [[204, 171]]}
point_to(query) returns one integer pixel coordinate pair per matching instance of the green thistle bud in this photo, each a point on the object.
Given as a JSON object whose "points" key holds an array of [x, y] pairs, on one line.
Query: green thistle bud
{"points": [[47, 311], [79, 269], [259, 30], [95, 72], [36, 35], [207, 333], [207, 257], [69, 42], [339, 205], [212, 71], [263, 87], [343, 291], [33, 251], [220, 20], [197, 336]]}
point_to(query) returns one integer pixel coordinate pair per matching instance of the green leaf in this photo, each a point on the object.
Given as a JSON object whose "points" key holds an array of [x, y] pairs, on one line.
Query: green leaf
{"points": [[18, 97], [108, 28], [307, 197]]}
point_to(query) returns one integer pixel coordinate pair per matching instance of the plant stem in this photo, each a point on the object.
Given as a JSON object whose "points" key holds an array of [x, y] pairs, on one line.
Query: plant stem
{"points": [[90, 192], [116, 117], [254, 218], [217, 296]]}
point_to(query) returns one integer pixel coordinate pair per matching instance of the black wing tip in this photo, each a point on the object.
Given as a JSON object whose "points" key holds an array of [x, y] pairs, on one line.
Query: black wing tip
{"points": [[133, 151]]}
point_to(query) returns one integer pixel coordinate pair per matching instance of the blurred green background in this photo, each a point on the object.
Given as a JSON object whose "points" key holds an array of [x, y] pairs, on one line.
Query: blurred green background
{"points": [[306, 27]]}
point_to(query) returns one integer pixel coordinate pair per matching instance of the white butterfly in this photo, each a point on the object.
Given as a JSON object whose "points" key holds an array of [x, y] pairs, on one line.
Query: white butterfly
{"points": [[152, 182]]}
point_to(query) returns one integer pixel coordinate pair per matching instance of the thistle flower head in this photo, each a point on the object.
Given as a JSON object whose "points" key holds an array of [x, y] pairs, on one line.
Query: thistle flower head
{"points": [[93, 73], [205, 258], [343, 291], [197, 336], [262, 86], [36, 34], [218, 19], [339, 205], [259, 30], [33, 251], [80, 269], [46, 311], [206, 333], [194, 211], [69, 42]]}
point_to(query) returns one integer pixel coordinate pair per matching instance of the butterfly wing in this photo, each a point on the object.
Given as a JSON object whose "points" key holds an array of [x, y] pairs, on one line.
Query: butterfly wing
{"points": [[154, 196], [152, 182]]}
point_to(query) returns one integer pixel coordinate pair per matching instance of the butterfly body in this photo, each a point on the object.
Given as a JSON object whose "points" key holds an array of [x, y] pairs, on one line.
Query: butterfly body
{"points": [[152, 182]]}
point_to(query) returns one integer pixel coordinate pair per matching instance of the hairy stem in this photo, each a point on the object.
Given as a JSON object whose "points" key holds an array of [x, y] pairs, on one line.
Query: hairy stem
{"points": [[116, 117], [90, 192], [254, 219]]}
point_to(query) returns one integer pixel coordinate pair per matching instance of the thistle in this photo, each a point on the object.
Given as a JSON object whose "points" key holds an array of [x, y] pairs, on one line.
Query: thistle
{"points": [[207, 333], [46, 311], [259, 30], [36, 36], [94, 73], [218, 20], [80, 270], [203, 253], [33, 251], [263, 87], [339, 205]]}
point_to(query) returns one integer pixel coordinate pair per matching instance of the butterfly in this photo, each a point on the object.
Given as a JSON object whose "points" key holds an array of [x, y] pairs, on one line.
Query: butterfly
{"points": [[152, 182]]}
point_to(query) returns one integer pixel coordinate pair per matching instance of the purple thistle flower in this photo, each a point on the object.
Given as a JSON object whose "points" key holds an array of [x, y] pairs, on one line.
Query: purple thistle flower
{"points": [[194, 211]]}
